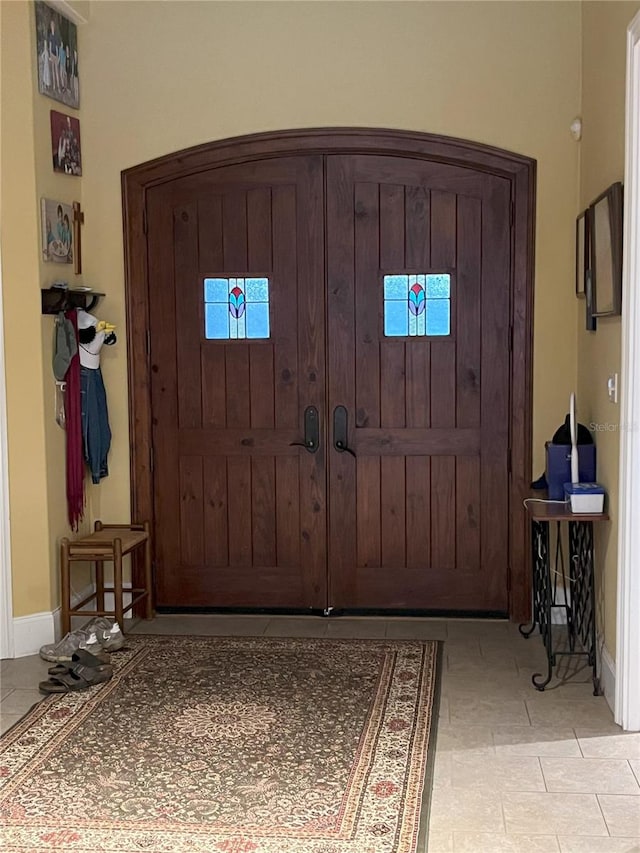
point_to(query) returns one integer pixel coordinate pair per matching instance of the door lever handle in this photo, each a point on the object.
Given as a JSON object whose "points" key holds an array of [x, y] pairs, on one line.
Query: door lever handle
{"points": [[311, 431], [341, 431], [341, 448]]}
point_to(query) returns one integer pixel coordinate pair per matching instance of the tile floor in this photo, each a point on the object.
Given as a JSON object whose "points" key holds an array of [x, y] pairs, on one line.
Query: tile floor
{"points": [[516, 770]]}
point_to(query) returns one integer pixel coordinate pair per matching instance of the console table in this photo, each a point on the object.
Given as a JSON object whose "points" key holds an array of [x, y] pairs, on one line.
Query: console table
{"points": [[577, 579]]}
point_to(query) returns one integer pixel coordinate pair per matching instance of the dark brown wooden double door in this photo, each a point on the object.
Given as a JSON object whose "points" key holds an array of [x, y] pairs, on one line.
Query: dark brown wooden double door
{"points": [[413, 514]]}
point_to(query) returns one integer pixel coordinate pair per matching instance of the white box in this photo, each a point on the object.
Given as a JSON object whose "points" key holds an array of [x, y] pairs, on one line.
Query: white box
{"points": [[585, 497]]}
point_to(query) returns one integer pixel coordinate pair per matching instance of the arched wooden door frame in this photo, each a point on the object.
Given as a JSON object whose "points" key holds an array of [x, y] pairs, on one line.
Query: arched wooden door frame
{"points": [[520, 171]]}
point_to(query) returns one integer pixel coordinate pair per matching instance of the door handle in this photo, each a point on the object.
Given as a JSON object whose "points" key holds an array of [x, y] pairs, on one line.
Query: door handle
{"points": [[341, 431], [311, 431]]}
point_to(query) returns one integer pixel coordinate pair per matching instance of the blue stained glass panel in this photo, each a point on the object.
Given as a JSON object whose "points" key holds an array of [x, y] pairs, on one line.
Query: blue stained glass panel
{"points": [[417, 305], [396, 318], [257, 289], [216, 289], [236, 308], [257, 320], [216, 321], [438, 316], [396, 286], [438, 286]]}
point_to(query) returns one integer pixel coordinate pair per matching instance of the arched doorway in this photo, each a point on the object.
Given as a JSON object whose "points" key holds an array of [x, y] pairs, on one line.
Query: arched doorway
{"points": [[330, 365]]}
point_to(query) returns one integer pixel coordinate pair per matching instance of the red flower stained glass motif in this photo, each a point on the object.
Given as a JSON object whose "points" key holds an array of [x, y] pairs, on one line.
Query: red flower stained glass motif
{"points": [[236, 302], [417, 299]]}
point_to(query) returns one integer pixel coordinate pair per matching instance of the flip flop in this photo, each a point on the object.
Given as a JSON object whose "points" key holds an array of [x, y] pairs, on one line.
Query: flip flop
{"points": [[81, 656], [78, 677]]}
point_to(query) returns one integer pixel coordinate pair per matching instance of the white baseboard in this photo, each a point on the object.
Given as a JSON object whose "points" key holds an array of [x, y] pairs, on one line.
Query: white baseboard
{"points": [[33, 631], [607, 670]]}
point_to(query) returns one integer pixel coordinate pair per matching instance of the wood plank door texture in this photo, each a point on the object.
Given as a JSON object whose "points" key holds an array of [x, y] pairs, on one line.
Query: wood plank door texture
{"points": [[414, 516], [418, 515], [239, 511]]}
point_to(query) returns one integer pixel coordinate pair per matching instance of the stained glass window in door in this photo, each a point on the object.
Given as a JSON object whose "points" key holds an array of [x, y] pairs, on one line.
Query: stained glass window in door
{"points": [[417, 305], [236, 308]]}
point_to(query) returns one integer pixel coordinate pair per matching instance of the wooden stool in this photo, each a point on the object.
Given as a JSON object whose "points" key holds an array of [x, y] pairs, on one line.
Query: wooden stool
{"points": [[109, 542]]}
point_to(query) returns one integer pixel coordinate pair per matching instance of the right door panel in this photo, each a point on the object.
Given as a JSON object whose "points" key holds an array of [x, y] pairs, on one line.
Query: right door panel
{"points": [[418, 511]]}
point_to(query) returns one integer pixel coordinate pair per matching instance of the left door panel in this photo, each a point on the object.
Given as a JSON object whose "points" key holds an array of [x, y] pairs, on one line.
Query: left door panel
{"points": [[240, 510]]}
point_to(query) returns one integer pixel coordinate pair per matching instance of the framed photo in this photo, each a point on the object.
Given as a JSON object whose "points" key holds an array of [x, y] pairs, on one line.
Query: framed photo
{"points": [[65, 144], [57, 46], [582, 260], [605, 238], [583, 268], [57, 231]]}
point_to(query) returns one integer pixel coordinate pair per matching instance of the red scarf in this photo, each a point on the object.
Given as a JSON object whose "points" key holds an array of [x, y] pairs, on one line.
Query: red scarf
{"points": [[75, 461]]}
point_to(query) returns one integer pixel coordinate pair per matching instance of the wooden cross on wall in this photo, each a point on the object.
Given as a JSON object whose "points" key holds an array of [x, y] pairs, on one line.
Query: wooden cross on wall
{"points": [[78, 221]]}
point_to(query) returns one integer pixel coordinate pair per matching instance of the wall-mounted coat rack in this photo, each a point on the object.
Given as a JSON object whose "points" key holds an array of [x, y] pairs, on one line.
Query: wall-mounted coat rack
{"points": [[55, 299]]}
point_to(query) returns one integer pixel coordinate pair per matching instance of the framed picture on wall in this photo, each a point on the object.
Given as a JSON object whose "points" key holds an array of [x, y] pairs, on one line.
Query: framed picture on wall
{"points": [[582, 260], [65, 144], [57, 47], [57, 231], [605, 239]]}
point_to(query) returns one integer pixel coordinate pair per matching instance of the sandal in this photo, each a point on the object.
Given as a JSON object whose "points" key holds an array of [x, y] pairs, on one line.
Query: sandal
{"points": [[81, 656], [77, 677]]}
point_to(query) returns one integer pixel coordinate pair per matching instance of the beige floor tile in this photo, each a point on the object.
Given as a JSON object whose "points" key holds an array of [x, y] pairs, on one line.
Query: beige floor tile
{"points": [[8, 720], [488, 711], [443, 711], [478, 628], [491, 679], [484, 842], [440, 842], [459, 663], [19, 701], [568, 814], [599, 845], [498, 773], [479, 810], [589, 776], [442, 770], [536, 741], [635, 766], [418, 629], [622, 814], [611, 743], [365, 629], [466, 740], [205, 625], [283, 626], [4, 691], [24, 672], [546, 710]]}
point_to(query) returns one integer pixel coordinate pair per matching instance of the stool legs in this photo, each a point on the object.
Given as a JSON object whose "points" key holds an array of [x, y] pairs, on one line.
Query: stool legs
{"points": [[117, 581], [65, 581], [148, 581]]}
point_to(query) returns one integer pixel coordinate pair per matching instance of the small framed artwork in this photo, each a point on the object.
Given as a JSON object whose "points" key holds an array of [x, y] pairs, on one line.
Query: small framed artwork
{"points": [[57, 231], [605, 239], [57, 46], [65, 144], [582, 260]]}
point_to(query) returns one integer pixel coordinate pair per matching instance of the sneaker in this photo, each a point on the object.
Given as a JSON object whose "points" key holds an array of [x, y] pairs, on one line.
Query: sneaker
{"points": [[108, 633], [70, 643]]}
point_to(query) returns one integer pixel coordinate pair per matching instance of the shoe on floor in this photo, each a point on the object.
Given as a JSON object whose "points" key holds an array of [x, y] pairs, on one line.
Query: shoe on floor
{"points": [[64, 649], [108, 633]]}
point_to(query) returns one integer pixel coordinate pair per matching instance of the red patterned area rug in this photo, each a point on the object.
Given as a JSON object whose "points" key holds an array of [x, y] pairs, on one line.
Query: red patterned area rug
{"points": [[231, 745]]}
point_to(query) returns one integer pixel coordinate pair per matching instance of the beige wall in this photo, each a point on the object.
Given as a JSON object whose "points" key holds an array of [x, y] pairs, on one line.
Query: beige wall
{"points": [[602, 162], [506, 74], [158, 77], [28, 462], [36, 443]]}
